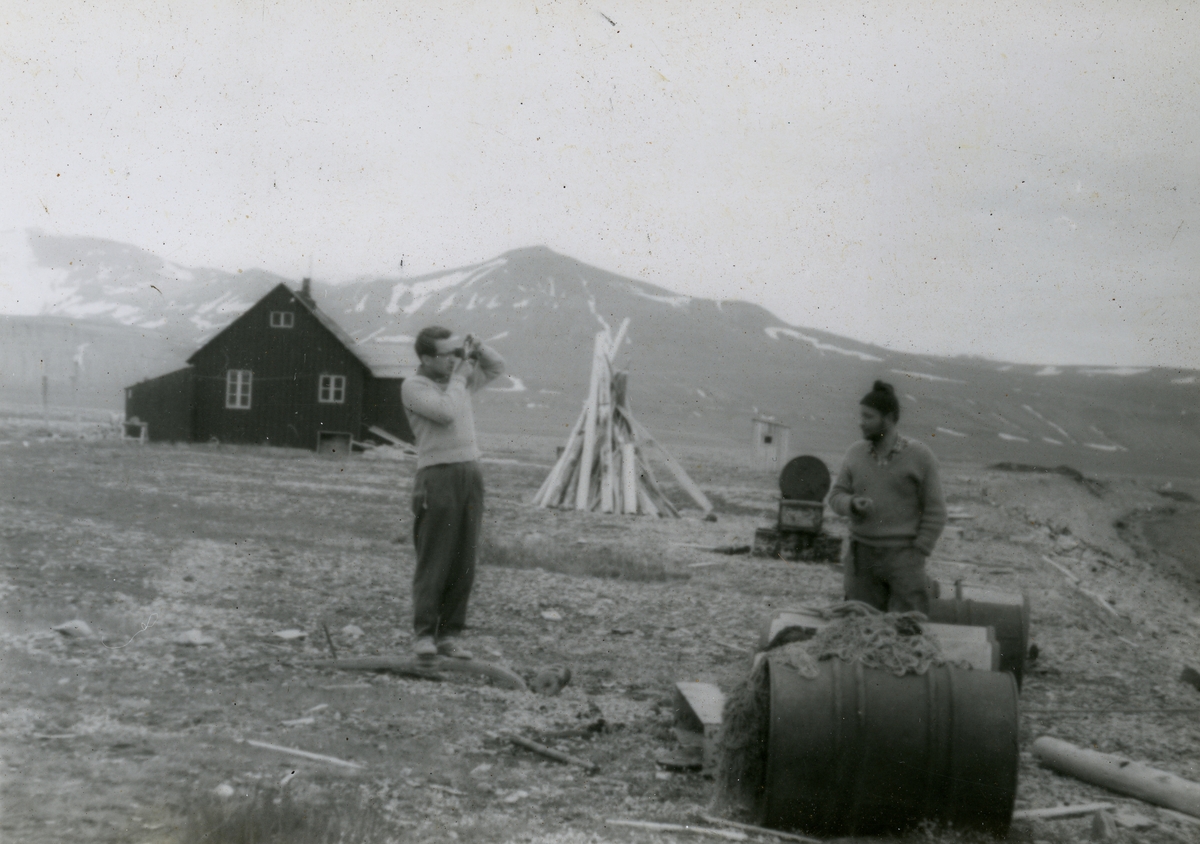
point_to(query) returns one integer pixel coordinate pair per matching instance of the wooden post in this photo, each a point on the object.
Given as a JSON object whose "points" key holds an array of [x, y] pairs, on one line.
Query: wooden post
{"points": [[606, 436], [563, 463], [599, 363], [1120, 775], [629, 477]]}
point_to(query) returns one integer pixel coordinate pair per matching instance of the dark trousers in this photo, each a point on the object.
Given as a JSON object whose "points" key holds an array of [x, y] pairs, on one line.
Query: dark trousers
{"points": [[448, 506], [889, 579]]}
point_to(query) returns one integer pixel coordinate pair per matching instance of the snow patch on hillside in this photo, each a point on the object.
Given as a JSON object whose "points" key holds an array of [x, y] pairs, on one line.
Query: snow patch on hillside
{"points": [[1051, 440], [517, 386], [394, 338], [1048, 370], [524, 302], [673, 301], [774, 331], [175, 272], [1190, 379], [418, 292], [1053, 425], [1123, 371], [1012, 438], [925, 376], [951, 432], [448, 302], [1105, 447]]}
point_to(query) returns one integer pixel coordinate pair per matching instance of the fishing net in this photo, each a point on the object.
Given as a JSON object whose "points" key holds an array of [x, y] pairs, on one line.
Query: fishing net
{"points": [[856, 633]]}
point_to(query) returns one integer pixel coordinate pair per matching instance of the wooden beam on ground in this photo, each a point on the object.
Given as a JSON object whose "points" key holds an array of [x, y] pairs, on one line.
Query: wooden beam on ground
{"points": [[425, 668], [654, 826], [1121, 775], [390, 437], [551, 753], [599, 364], [761, 830], [303, 754], [1056, 812]]}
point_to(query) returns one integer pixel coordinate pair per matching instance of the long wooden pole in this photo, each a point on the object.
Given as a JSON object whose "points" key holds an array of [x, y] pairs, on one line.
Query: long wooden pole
{"points": [[1120, 775], [583, 491], [542, 499]]}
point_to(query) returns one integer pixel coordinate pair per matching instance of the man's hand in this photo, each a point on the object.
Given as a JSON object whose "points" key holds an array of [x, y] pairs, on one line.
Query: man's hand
{"points": [[861, 506]]}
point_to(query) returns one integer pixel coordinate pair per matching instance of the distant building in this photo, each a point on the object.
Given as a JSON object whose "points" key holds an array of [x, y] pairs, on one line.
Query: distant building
{"points": [[772, 443], [283, 373]]}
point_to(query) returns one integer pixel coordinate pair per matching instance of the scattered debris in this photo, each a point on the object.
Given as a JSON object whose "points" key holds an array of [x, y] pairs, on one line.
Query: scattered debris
{"points": [[551, 753], [194, 638], [304, 754], [551, 681], [76, 628], [1121, 775]]}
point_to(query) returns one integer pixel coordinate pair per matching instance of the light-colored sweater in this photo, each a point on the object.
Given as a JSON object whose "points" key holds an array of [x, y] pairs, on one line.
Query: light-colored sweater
{"points": [[440, 413], [906, 491]]}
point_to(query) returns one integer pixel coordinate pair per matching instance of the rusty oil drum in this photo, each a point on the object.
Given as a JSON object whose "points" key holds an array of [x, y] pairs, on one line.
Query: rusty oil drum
{"points": [[858, 751], [1006, 612]]}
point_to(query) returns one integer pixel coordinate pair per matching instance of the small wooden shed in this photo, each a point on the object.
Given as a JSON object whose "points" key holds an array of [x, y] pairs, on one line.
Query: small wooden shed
{"points": [[772, 443]]}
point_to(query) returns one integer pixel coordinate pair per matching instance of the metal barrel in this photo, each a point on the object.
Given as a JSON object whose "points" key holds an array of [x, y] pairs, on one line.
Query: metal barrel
{"points": [[1006, 612], [858, 751]]}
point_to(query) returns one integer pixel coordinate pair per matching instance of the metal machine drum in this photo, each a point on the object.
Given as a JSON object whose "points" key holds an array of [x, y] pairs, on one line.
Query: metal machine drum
{"points": [[800, 516], [804, 478], [858, 751], [976, 606]]}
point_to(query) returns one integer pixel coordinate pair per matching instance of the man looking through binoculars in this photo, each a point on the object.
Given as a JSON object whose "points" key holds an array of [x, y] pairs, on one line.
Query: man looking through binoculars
{"points": [[447, 497]]}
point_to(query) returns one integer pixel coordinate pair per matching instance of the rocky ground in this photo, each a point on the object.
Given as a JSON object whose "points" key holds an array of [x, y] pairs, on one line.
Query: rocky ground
{"points": [[187, 561]]}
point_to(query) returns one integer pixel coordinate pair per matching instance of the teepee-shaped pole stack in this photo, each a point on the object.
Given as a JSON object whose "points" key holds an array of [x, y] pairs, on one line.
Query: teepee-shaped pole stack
{"points": [[603, 465]]}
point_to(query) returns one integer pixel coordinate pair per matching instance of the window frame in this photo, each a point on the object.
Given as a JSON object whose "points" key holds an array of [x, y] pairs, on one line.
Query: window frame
{"points": [[235, 381], [333, 386], [287, 319]]}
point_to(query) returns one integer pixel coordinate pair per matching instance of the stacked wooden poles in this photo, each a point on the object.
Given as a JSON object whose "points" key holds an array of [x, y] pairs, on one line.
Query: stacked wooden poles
{"points": [[603, 466]]}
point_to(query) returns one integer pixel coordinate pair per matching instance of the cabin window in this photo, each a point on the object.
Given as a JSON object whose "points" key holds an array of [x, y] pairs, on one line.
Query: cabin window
{"points": [[237, 389], [332, 389], [282, 319]]}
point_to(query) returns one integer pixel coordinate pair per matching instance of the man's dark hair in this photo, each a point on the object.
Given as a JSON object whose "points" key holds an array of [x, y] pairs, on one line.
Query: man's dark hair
{"points": [[883, 398], [427, 339]]}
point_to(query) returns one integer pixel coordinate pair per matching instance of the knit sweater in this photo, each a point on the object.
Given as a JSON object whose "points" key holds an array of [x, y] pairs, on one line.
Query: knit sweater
{"points": [[904, 488], [440, 413]]}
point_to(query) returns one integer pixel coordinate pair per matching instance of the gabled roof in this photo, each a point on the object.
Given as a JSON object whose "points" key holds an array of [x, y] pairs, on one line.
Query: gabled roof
{"points": [[382, 362]]}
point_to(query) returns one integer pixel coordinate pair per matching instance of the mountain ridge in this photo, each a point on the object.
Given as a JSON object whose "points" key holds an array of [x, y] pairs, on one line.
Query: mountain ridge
{"points": [[699, 368]]}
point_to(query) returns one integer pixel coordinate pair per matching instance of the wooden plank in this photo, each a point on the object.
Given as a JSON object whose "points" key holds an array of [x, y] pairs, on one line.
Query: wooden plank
{"points": [[645, 503], [303, 754], [761, 830], [385, 435], [676, 468], [629, 477], [606, 451], [562, 466], [1119, 774], [703, 702], [1053, 812], [654, 826], [599, 364], [616, 344]]}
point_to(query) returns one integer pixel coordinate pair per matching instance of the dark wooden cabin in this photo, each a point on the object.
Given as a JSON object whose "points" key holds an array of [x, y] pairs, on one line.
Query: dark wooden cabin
{"points": [[283, 373]]}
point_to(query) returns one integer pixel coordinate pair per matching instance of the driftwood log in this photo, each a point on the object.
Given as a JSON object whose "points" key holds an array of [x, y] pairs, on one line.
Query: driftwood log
{"points": [[428, 668], [1120, 775]]}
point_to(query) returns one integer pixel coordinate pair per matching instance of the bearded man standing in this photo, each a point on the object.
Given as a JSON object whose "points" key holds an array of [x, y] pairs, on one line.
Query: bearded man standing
{"points": [[447, 497], [889, 488]]}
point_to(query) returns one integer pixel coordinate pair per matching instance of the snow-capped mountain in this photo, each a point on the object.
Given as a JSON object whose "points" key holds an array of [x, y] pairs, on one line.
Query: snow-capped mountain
{"points": [[699, 369]]}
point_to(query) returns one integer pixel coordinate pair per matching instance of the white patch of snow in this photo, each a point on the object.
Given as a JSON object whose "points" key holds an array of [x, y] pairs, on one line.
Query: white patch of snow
{"points": [[447, 302], [1051, 440], [518, 386], [534, 404], [925, 376], [496, 337], [471, 303], [1108, 448], [413, 306], [1048, 370], [204, 324], [673, 301], [951, 432], [156, 323], [1012, 438], [1190, 379], [1007, 367], [701, 393], [1116, 370], [395, 338], [550, 392], [493, 303], [362, 303], [1053, 425], [175, 272], [774, 331], [911, 398], [521, 304]]}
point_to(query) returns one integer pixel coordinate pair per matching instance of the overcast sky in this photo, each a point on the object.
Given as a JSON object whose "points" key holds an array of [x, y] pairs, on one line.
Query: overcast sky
{"points": [[935, 177]]}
